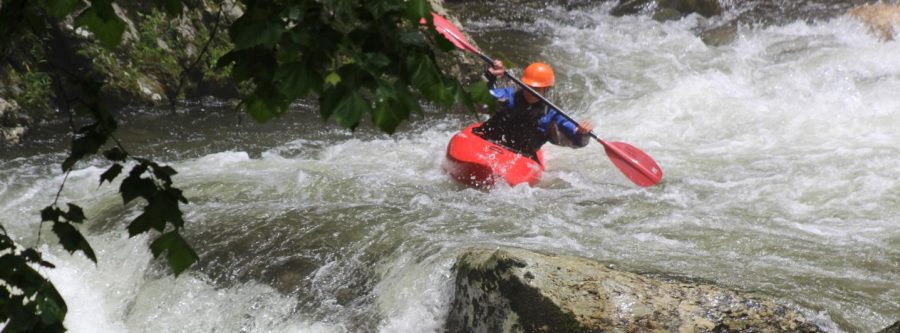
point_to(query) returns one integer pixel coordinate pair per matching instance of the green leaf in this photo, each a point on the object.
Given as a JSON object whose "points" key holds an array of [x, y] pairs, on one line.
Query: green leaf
{"points": [[75, 214], [34, 256], [177, 194], [266, 103], [170, 211], [255, 29], [388, 113], [134, 186], [256, 63], [152, 217], [376, 60], [378, 8], [36, 306], [172, 7], [164, 173], [52, 309], [481, 93], [178, 252], [89, 143], [115, 154], [296, 79], [344, 17], [228, 58], [423, 71], [111, 173], [60, 8], [407, 100], [296, 12], [333, 79], [329, 100], [440, 93], [302, 37], [480, 96], [351, 108], [102, 20], [418, 9], [50, 213], [72, 240], [443, 43]]}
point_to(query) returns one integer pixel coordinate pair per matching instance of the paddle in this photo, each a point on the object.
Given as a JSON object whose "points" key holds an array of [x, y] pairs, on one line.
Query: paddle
{"points": [[639, 167]]}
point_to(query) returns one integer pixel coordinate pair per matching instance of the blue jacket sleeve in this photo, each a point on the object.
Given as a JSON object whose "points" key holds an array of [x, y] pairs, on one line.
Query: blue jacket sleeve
{"points": [[505, 96], [563, 132]]}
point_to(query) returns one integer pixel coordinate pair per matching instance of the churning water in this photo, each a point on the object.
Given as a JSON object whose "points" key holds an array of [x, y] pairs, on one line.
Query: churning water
{"points": [[782, 177]]}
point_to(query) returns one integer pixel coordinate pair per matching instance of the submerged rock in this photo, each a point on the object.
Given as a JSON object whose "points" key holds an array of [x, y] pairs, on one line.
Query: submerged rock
{"points": [[514, 290], [668, 9]]}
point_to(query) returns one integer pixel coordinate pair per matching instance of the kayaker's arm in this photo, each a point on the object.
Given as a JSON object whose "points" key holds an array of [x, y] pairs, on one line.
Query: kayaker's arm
{"points": [[563, 132], [503, 95], [493, 73]]}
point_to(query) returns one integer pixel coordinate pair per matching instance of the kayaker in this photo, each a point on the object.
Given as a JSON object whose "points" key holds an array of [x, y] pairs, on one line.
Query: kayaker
{"points": [[523, 123]]}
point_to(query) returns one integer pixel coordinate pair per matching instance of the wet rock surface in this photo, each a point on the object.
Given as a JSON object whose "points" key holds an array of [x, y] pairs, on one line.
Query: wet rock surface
{"points": [[668, 8], [515, 290], [13, 123], [879, 18]]}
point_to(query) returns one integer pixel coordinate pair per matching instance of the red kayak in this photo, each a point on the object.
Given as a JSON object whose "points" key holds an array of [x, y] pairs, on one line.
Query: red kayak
{"points": [[476, 162]]}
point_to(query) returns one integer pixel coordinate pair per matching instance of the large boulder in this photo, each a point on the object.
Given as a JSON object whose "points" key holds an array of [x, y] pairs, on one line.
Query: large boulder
{"points": [[461, 65], [13, 123], [668, 9], [514, 290], [879, 18]]}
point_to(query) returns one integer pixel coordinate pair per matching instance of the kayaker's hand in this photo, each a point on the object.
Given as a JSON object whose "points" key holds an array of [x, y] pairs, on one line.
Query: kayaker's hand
{"points": [[584, 128], [497, 69]]}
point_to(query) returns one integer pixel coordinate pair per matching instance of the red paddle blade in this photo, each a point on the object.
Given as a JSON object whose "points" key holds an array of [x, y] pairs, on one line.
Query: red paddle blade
{"points": [[639, 167], [452, 33]]}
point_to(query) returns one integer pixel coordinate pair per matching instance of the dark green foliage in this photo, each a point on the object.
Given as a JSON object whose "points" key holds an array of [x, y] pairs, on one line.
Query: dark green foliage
{"points": [[101, 19], [72, 240], [111, 173], [28, 302], [178, 252], [89, 141], [60, 8], [69, 237], [344, 53]]}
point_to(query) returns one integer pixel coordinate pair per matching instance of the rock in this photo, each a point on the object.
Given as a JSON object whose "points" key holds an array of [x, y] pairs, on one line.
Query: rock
{"points": [[630, 7], [130, 34], [721, 35], [514, 290], [13, 123], [879, 18], [464, 67], [707, 8], [668, 9]]}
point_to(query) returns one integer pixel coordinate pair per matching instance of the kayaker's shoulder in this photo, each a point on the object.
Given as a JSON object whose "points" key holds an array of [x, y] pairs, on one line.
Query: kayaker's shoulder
{"points": [[503, 94]]}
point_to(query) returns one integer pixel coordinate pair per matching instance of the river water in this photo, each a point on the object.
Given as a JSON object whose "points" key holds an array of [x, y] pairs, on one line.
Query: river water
{"points": [[782, 177]]}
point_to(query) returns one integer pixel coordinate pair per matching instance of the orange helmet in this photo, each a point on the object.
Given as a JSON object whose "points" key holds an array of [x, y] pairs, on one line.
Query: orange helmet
{"points": [[538, 75]]}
